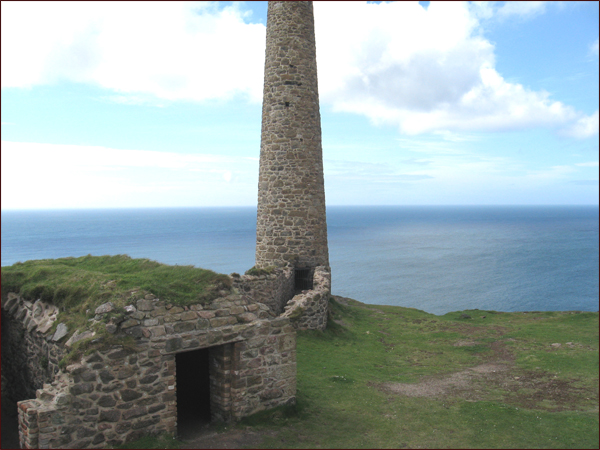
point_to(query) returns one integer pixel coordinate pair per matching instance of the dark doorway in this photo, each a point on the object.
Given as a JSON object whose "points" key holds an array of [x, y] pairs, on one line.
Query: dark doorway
{"points": [[303, 279], [193, 390]]}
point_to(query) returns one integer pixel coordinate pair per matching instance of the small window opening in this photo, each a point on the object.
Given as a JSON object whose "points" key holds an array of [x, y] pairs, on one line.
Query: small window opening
{"points": [[287, 104], [303, 279]]}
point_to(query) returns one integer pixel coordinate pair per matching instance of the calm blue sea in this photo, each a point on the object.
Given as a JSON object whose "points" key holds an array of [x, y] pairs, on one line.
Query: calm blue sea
{"points": [[437, 259]]}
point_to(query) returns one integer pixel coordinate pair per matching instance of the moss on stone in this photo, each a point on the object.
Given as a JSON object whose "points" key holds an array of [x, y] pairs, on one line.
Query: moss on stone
{"points": [[254, 271], [296, 313], [79, 285]]}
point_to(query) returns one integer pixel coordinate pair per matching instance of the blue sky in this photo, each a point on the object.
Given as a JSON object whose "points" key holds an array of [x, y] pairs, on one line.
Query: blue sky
{"points": [[114, 104]]}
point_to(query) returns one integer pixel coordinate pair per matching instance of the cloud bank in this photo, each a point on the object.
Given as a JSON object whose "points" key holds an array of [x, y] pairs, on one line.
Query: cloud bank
{"points": [[419, 69], [73, 176], [426, 70], [172, 50]]}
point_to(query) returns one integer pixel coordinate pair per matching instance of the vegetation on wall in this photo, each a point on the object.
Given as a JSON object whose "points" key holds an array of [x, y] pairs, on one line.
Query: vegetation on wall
{"points": [[255, 271], [78, 284]]}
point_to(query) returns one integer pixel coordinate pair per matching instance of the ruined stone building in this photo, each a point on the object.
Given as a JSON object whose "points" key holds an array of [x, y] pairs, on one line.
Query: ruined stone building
{"points": [[226, 359]]}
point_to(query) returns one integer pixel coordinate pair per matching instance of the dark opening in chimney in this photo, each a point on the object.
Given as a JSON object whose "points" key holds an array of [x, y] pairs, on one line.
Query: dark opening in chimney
{"points": [[303, 279]]}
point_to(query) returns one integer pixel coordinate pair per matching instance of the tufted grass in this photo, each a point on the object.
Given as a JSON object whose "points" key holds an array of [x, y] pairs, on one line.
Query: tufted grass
{"points": [[76, 284], [79, 285]]}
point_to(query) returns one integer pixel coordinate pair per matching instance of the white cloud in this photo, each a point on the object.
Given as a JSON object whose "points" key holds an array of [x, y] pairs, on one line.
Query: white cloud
{"points": [[585, 127], [423, 70], [450, 172], [67, 176], [594, 48], [503, 10], [588, 164], [360, 172], [521, 9], [172, 50], [397, 63]]}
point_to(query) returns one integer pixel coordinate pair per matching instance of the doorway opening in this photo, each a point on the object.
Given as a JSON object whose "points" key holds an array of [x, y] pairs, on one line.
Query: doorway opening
{"points": [[303, 279], [193, 390]]}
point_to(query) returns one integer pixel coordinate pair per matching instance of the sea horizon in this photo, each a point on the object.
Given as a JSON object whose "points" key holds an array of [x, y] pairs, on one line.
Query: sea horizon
{"points": [[437, 258], [434, 205]]}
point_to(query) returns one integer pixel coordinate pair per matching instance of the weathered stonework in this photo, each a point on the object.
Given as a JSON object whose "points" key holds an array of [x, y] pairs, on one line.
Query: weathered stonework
{"points": [[121, 393], [291, 222], [306, 309], [32, 358], [274, 289]]}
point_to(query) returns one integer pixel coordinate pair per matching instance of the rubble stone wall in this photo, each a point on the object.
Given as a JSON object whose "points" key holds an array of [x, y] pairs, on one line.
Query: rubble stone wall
{"points": [[308, 309], [28, 359], [122, 392], [274, 289]]}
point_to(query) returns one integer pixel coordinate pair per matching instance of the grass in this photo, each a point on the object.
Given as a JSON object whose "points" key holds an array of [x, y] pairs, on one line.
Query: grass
{"points": [[79, 285], [88, 281], [255, 271], [162, 441], [540, 396]]}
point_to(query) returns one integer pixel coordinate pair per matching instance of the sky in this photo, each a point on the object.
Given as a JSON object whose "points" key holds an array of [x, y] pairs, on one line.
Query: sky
{"points": [[135, 104]]}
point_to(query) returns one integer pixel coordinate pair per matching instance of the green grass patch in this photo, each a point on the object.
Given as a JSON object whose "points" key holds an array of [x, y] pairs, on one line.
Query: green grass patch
{"points": [[79, 285], [342, 372], [255, 271], [88, 281]]}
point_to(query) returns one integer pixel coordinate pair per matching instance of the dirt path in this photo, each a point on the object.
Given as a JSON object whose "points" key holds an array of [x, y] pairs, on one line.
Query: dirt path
{"points": [[524, 388]]}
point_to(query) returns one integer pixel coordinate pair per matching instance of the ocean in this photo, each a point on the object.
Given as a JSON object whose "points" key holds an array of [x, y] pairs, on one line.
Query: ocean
{"points": [[434, 258]]}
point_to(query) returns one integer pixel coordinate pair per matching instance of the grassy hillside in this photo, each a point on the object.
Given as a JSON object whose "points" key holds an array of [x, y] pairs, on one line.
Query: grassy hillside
{"points": [[392, 377], [379, 376]]}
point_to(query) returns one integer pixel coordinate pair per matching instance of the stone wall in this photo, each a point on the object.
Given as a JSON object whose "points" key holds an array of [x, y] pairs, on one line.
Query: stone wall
{"points": [[119, 393], [308, 309], [291, 221], [29, 357], [274, 289]]}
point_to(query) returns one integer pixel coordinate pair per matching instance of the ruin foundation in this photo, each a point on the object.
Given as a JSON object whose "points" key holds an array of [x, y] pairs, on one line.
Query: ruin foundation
{"points": [[118, 393]]}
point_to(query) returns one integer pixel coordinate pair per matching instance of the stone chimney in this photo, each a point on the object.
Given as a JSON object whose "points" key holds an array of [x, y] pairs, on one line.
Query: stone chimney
{"points": [[291, 222]]}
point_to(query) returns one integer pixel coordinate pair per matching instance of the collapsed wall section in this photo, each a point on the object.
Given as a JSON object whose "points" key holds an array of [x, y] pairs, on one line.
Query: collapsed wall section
{"points": [[305, 308], [273, 289]]}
